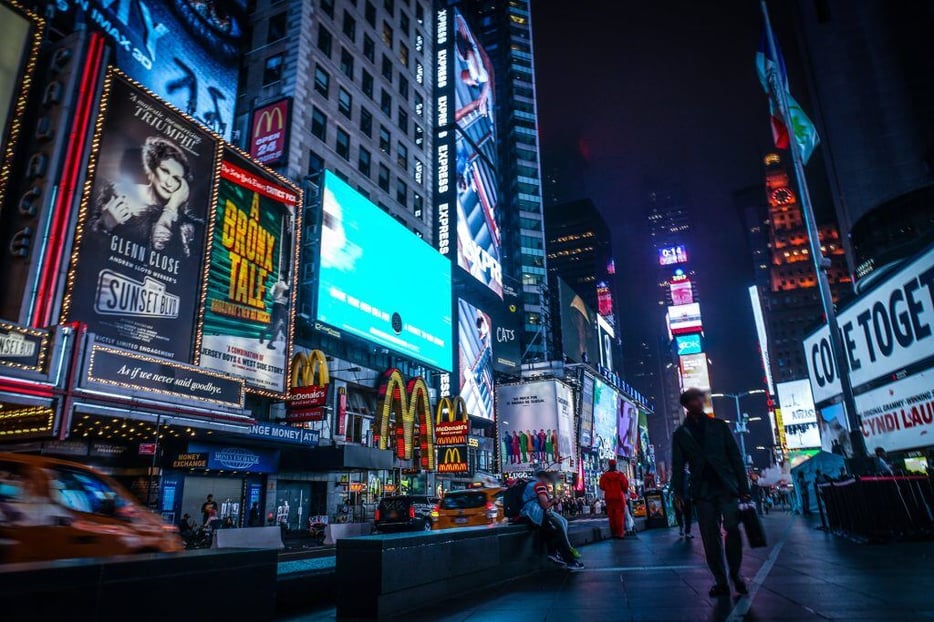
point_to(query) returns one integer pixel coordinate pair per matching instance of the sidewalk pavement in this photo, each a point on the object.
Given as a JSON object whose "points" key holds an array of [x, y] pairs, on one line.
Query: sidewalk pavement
{"points": [[804, 574]]}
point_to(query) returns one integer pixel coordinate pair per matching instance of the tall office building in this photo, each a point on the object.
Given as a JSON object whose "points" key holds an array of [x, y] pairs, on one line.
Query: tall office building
{"points": [[505, 29], [871, 70], [789, 293]]}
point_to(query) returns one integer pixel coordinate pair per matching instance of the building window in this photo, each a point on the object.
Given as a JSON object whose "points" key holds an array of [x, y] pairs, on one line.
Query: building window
{"points": [[343, 144], [325, 40], [418, 205], [402, 192], [346, 63], [328, 7], [315, 163], [363, 161], [404, 54], [419, 172], [350, 26], [272, 71], [322, 81], [385, 103], [369, 48], [369, 12], [402, 119], [277, 27], [402, 155], [387, 35], [419, 72], [385, 138], [344, 102], [390, 6], [366, 122], [383, 178], [403, 87], [366, 83], [419, 104], [404, 23], [387, 68], [419, 136], [319, 124], [419, 13]]}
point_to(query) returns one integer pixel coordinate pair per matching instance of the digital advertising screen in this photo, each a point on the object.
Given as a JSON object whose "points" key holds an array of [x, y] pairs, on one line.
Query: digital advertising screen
{"points": [[604, 299], [682, 292], [536, 425], [578, 327], [799, 416], [507, 324], [685, 319], [586, 413], [605, 412], [379, 281], [626, 429], [900, 415], [606, 337], [694, 372], [689, 344], [246, 327], [15, 48], [187, 53], [478, 235], [136, 279], [834, 429], [476, 359], [672, 255]]}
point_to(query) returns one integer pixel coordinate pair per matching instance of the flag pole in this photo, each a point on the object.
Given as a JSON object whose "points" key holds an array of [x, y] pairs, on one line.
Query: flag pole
{"points": [[821, 263]]}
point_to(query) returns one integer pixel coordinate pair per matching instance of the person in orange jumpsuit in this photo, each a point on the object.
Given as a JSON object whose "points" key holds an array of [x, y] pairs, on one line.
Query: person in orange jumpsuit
{"points": [[615, 487]]}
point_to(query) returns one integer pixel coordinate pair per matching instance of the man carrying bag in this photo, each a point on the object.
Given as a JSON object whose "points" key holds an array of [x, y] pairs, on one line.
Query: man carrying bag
{"points": [[718, 483]]}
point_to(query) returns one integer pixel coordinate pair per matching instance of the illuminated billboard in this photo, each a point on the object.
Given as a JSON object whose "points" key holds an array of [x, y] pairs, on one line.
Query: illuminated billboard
{"points": [[682, 292], [187, 53], [247, 322], [689, 344], [137, 272], [475, 354], [606, 336], [604, 300], [799, 416], [536, 425], [685, 319], [586, 410], [579, 338], [626, 429], [694, 372], [466, 191], [379, 281], [605, 408], [672, 255], [506, 317]]}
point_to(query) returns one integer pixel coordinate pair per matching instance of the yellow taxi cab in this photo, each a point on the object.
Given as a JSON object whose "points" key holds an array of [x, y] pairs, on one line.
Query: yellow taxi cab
{"points": [[55, 509], [473, 507]]}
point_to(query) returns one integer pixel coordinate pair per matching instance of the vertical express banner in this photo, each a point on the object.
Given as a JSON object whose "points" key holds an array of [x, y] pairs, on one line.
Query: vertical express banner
{"points": [[248, 304], [136, 272]]}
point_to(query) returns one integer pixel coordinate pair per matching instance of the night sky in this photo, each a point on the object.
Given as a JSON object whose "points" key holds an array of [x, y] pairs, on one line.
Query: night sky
{"points": [[642, 96]]}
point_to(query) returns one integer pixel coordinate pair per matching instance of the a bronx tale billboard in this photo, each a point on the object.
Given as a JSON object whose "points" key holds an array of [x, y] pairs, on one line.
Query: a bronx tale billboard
{"points": [[139, 251]]}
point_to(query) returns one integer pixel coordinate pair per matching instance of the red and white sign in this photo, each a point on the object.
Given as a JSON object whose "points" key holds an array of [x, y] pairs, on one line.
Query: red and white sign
{"points": [[899, 415], [682, 293], [451, 433], [685, 319], [307, 403], [269, 132], [147, 449]]}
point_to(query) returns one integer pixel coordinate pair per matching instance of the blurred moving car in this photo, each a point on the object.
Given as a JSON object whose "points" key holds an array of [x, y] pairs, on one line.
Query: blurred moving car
{"points": [[404, 513], [470, 508], [55, 509]]}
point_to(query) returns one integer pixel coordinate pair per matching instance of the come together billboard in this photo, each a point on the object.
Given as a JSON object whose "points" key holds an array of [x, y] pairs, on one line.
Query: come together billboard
{"points": [[536, 425], [380, 282], [137, 266], [248, 304], [466, 152]]}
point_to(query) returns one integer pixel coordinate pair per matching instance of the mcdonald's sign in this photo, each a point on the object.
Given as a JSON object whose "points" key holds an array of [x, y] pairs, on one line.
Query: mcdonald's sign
{"points": [[453, 460], [452, 426], [405, 413], [269, 132], [308, 386]]}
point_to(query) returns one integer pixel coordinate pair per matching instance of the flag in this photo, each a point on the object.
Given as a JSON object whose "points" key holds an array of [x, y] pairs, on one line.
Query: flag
{"points": [[774, 79]]}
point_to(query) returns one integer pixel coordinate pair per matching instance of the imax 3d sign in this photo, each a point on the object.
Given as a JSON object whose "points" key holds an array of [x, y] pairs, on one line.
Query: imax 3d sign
{"points": [[883, 331]]}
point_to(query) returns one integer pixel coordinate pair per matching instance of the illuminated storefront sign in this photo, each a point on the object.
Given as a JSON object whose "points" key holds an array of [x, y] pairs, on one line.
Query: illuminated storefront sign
{"points": [[452, 427], [23, 348], [269, 133], [402, 407], [308, 388], [26, 422]]}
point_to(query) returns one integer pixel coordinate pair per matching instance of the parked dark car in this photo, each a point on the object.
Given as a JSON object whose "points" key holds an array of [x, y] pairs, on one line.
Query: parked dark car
{"points": [[404, 513]]}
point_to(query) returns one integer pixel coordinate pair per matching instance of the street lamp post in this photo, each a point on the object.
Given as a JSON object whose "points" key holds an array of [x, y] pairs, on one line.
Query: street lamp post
{"points": [[742, 419]]}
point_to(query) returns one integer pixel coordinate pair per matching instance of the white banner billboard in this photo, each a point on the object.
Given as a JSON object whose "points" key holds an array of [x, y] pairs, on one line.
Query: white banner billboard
{"points": [[536, 425], [899, 415], [884, 331], [694, 372], [799, 417]]}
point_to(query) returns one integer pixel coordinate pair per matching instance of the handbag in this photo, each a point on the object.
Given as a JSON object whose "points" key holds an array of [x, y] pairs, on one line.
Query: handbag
{"points": [[749, 519]]}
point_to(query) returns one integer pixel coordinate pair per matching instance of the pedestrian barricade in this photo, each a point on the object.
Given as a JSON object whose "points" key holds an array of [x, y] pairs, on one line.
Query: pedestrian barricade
{"points": [[879, 508]]}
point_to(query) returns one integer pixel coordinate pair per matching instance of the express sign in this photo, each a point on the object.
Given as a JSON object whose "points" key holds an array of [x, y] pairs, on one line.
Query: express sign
{"points": [[883, 332]]}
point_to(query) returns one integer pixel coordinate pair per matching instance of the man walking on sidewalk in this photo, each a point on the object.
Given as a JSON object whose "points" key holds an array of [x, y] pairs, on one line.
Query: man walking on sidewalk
{"points": [[718, 482], [615, 487]]}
